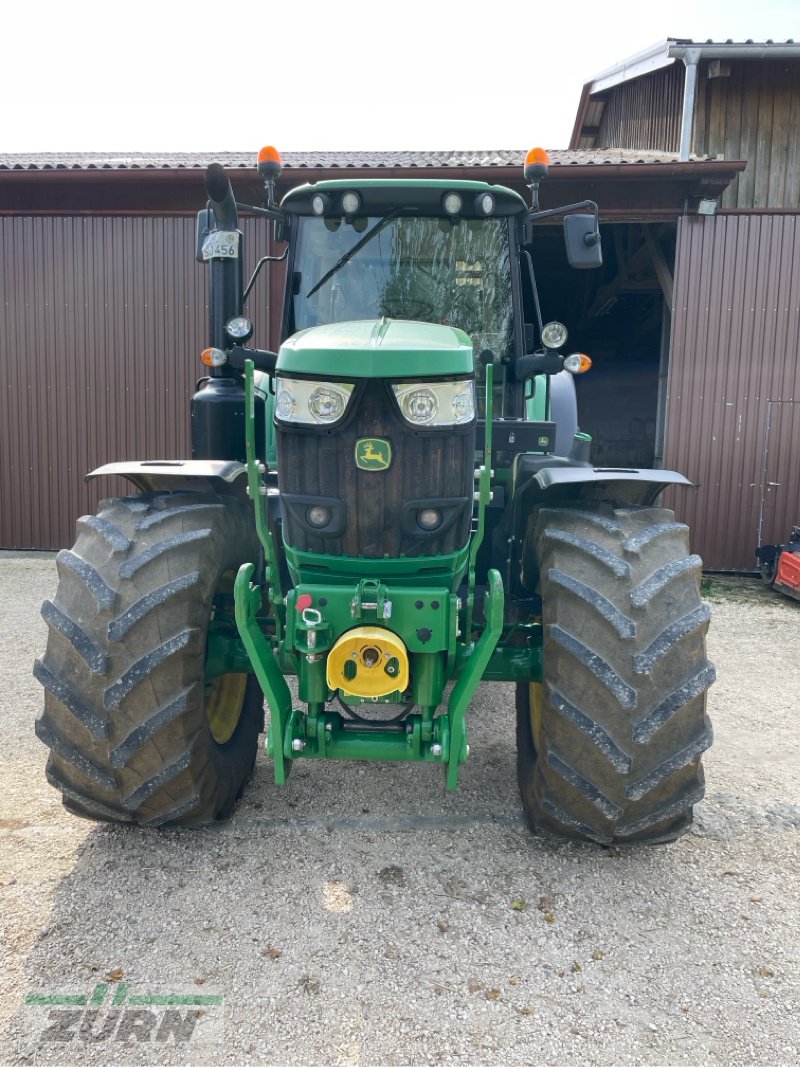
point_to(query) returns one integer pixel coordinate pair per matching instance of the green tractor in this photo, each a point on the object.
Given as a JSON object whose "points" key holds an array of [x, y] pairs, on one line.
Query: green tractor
{"points": [[396, 506]]}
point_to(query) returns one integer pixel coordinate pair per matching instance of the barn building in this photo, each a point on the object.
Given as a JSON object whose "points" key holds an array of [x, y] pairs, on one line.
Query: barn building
{"points": [[731, 405], [692, 323]]}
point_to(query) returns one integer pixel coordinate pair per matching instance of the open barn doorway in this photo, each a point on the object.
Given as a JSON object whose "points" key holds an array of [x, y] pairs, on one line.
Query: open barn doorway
{"points": [[620, 317]]}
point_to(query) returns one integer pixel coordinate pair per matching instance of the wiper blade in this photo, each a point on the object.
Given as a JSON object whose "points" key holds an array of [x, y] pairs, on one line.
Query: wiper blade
{"points": [[354, 250]]}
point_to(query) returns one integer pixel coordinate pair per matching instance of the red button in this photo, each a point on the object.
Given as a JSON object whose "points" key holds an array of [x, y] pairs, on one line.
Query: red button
{"points": [[305, 600]]}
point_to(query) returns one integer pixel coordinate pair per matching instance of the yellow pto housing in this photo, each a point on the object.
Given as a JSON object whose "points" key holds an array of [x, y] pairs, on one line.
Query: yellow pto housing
{"points": [[368, 662]]}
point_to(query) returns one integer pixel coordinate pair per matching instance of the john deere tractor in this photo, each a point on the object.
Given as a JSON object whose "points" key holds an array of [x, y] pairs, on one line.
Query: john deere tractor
{"points": [[399, 499]]}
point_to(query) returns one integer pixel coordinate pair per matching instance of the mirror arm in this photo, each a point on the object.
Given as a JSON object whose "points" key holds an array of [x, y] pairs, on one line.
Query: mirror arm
{"points": [[259, 265], [539, 363], [262, 359], [535, 290], [265, 212], [536, 215]]}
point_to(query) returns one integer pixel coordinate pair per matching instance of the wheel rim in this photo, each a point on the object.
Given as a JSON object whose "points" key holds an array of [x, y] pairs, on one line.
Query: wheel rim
{"points": [[768, 571], [535, 705], [224, 704]]}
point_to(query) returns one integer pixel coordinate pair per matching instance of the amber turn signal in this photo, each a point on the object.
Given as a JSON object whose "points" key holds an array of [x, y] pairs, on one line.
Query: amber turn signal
{"points": [[213, 357], [577, 363]]}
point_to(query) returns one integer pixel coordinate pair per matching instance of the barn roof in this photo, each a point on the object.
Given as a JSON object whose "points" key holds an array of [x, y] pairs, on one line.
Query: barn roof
{"points": [[665, 53], [116, 161], [166, 183]]}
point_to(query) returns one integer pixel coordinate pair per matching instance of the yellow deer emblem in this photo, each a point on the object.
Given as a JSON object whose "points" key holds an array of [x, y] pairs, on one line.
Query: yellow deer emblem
{"points": [[373, 454]]}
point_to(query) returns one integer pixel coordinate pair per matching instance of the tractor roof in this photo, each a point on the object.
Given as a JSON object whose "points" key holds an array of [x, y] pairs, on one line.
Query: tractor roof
{"points": [[380, 195]]}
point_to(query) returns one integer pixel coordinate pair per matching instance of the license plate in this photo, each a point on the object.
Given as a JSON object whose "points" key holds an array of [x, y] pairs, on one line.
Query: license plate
{"points": [[221, 245]]}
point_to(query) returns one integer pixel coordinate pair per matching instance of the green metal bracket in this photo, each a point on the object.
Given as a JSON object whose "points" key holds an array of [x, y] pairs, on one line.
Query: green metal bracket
{"points": [[247, 598], [516, 663], [370, 596], [484, 496], [225, 651], [327, 735], [256, 490], [470, 677]]}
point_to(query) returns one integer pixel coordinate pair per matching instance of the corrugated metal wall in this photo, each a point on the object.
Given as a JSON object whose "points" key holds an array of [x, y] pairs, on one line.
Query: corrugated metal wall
{"points": [[645, 113], [735, 348], [103, 321], [753, 113]]}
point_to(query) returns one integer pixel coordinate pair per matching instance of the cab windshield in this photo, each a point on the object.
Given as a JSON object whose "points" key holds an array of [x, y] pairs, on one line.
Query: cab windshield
{"points": [[407, 267]]}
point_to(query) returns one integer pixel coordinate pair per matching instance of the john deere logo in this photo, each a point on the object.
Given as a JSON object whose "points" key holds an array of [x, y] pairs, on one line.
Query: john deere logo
{"points": [[373, 454]]}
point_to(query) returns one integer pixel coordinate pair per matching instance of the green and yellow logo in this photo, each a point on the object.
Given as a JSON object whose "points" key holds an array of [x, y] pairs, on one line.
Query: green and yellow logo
{"points": [[114, 1013], [373, 454]]}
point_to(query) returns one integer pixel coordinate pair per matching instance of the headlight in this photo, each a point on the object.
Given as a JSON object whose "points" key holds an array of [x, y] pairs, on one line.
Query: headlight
{"points": [[436, 403], [429, 519], [239, 328], [327, 404], [318, 516], [554, 335], [311, 403], [419, 405]]}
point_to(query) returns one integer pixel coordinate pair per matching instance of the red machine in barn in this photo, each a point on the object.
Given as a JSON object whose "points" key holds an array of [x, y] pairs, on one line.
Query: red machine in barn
{"points": [[780, 565]]}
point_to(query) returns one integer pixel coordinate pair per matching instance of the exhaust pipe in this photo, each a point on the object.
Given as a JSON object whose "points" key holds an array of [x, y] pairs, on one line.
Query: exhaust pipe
{"points": [[218, 187], [226, 280]]}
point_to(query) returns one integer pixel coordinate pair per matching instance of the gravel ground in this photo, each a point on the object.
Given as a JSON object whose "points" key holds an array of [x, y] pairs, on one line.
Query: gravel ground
{"points": [[361, 916]]}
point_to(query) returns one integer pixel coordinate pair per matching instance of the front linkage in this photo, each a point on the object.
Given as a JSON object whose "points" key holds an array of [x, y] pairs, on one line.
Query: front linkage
{"points": [[320, 632]]}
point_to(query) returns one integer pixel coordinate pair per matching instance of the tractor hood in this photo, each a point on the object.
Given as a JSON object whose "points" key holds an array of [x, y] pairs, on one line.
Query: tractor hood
{"points": [[383, 348]]}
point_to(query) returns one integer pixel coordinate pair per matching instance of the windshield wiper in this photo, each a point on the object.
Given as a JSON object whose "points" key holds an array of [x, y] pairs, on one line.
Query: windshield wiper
{"points": [[355, 249]]}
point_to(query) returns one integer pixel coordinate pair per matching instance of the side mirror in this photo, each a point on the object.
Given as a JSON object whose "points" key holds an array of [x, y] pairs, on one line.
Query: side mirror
{"points": [[582, 241]]}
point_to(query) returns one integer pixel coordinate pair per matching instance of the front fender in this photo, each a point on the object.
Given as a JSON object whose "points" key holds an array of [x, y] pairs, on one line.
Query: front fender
{"points": [[624, 485], [543, 481], [166, 475]]}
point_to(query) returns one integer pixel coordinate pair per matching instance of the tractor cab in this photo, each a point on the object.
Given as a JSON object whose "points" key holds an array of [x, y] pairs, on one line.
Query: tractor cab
{"points": [[427, 251]]}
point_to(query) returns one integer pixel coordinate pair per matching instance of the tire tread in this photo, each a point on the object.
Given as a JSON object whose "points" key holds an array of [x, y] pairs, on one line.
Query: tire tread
{"points": [[617, 757], [135, 596]]}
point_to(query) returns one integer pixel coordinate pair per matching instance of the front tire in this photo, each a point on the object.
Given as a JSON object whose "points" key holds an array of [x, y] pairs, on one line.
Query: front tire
{"points": [[136, 732], [609, 744]]}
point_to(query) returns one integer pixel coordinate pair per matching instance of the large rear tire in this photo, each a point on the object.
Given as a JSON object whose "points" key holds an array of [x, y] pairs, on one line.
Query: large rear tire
{"points": [[609, 744], [136, 733]]}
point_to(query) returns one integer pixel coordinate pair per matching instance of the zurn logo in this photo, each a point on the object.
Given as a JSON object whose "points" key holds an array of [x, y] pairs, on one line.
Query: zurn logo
{"points": [[115, 1014]]}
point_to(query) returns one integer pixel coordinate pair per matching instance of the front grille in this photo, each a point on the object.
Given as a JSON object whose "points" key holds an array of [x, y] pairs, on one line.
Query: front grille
{"points": [[436, 465]]}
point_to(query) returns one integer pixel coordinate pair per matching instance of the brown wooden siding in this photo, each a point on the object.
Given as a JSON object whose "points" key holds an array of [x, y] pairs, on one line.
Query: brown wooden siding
{"points": [[733, 406], [103, 321], [644, 113], [754, 114]]}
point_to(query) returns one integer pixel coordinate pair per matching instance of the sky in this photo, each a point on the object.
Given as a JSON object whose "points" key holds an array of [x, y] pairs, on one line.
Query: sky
{"points": [[350, 75]]}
